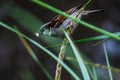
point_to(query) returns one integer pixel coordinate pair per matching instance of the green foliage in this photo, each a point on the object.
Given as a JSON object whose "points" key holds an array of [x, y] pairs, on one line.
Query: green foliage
{"points": [[50, 41], [41, 47], [78, 56]]}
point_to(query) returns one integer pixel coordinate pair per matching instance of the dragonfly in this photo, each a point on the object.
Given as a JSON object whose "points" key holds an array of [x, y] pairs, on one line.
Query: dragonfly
{"points": [[54, 27]]}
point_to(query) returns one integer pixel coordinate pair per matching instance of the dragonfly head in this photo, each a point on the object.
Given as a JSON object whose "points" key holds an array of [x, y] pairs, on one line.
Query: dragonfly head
{"points": [[46, 31], [43, 30]]}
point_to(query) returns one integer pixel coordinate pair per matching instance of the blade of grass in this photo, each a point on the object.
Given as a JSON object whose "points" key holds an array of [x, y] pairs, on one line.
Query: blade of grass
{"points": [[90, 26], [90, 71], [42, 48], [95, 64], [94, 72], [107, 61], [88, 39], [97, 38], [35, 58], [78, 57]]}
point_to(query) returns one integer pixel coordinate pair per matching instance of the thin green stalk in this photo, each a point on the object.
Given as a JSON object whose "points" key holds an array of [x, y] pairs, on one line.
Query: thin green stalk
{"points": [[90, 26], [89, 1], [94, 73], [90, 70], [61, 55], [88, 39], [107, 61], [78, 57], [35, 58], [95, 64], [43, 48]]}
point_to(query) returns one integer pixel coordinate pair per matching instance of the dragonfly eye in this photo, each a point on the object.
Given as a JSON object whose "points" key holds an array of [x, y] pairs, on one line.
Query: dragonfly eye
{"points": [[43, 28], [40, 31], [47, 32]]}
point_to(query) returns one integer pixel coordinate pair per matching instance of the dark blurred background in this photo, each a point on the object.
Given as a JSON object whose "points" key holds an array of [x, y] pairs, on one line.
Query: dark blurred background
{"points": [[17, 64]]}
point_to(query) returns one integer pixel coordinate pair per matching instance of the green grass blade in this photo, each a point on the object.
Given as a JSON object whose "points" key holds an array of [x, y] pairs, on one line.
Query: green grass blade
{"points": [[96, 38], [89, 1], [90, 26], [94, 72], [108, 63], [43, 48], [35, 58], [94, 64], [88, 39], [78, 57]]}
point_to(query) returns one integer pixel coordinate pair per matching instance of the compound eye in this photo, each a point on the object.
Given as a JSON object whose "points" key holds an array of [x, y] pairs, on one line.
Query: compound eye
{"points": [[44, 28]]}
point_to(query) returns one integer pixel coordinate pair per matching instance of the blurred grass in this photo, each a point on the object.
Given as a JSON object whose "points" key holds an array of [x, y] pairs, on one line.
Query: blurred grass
{"points": [[94, 72], [94, 64], [23, 72], [31, 23], [42, 48], [102, 37], [79, 58], [107, 61], [34, 57], [22, 16], [28, 21]]}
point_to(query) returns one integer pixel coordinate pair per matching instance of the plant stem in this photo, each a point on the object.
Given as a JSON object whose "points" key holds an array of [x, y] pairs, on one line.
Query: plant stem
{"points": [[107, 61], [61, 57], [33, 55], [42, 48], [61, 54]]}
